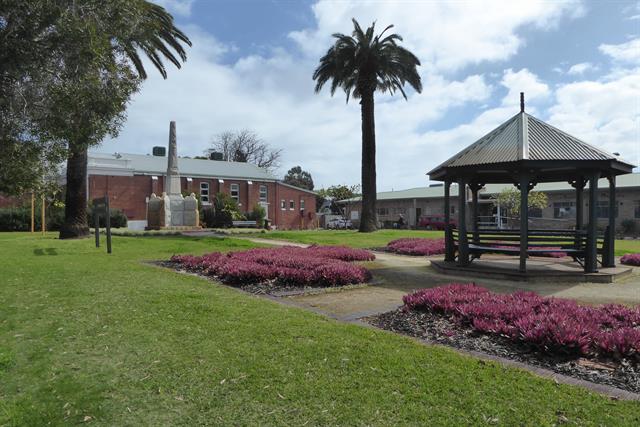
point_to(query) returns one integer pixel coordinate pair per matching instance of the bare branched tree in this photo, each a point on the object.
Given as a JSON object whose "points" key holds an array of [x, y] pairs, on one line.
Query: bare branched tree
{"points": [[246, 146]]}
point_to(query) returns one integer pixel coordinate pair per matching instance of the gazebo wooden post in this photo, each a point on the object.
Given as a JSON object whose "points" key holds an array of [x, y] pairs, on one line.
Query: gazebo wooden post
{"points": [[609, 258], [474, 205], [463, 244], [448, 241], [524, 221], [579, 186], [591, 259]]}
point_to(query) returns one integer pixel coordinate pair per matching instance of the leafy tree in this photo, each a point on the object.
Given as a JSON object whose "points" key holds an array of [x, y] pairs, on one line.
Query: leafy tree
{"points": [[338, 193], [89, 51], [509, 200], [362, 64], [299, 178], [245, 146]]}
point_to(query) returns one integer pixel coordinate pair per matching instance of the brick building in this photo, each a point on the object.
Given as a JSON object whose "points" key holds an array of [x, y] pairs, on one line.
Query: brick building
{"points": [[560, 211], [129, 179]]}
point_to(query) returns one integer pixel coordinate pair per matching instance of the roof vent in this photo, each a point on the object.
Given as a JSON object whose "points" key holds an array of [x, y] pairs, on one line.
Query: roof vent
{"points": [[522, 102], [159, 151], [215, 155]]}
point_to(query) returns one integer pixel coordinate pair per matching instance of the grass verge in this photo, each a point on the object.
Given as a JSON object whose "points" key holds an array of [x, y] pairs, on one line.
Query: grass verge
{"points": [[109, 340]]}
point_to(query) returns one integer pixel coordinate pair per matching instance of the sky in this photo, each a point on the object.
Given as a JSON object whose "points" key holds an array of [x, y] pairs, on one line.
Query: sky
{"points": [[251, 63]]}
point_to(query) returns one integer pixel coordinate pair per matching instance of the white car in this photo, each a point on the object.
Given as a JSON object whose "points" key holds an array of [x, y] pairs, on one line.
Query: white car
{"points": [[339, 224]]}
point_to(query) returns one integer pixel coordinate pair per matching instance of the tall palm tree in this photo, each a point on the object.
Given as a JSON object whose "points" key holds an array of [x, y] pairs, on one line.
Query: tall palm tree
{"points": [[360, 64], [152, 32]]}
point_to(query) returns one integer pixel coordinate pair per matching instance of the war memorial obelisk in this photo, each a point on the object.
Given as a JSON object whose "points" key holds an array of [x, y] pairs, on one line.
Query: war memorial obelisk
{"points": [[171, 210]]}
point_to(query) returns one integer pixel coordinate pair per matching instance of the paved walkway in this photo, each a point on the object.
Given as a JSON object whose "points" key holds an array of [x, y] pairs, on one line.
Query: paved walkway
{"points": [[396, 275]]}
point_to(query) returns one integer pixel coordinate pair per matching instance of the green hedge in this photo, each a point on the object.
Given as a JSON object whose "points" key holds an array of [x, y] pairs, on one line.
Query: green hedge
{"points": [[19, 219]]}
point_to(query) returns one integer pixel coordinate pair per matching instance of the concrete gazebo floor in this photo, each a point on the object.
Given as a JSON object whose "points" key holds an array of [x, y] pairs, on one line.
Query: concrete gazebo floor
{"points": [[538, 269]]}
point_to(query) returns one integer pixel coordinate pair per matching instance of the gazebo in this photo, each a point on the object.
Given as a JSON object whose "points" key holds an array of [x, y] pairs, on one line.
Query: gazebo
{"points": [[526, 151]]}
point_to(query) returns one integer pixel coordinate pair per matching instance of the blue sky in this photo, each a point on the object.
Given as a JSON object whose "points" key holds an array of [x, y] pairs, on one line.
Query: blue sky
{"points": [[250, 67]]}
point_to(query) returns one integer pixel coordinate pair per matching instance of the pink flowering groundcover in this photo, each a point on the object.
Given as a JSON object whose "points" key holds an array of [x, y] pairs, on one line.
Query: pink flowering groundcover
{"points": [[550, 325], [316, 266]]}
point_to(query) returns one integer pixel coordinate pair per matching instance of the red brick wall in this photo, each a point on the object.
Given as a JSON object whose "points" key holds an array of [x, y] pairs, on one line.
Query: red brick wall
{"points": [[291, 219], [14, 202], [127, 193]]}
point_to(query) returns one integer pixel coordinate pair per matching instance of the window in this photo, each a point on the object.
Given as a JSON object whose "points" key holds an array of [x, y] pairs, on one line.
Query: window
{"points": [[383, 211], [636, 209], [301, 204], [292, 205], [283, 204], [204, 192], [602, 209], [564, 210], [235, 192], [535, 213], [263, 193], [399, 211]]}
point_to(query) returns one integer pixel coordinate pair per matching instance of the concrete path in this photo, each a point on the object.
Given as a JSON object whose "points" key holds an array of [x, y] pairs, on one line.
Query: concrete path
{"points": [[396, 275]]}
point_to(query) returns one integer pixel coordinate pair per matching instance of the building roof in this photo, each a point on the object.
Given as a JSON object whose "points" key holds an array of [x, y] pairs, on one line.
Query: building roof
{"points": [[622, 181], [304, 190], [129, 164], [526, 138]]}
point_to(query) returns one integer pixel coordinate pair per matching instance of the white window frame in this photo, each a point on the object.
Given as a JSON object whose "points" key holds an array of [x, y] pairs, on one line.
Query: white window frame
{"points": [[292, 205], [301, 204], [235, 188], [266, 193], [283, 204], [204, 193]]}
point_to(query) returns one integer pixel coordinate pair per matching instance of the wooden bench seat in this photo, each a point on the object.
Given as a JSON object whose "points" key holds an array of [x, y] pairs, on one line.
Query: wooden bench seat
{"points": [[245, 223], [480, 249]]}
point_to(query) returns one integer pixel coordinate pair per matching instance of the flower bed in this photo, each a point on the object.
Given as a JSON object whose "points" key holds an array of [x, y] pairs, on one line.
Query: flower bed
{"points": [[630, 259], [416, 246], [550, 325], [316, 266]]}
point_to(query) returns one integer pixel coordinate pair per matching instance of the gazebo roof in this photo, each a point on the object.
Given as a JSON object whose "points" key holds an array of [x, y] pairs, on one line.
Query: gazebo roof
{"points": [[525, 142]]}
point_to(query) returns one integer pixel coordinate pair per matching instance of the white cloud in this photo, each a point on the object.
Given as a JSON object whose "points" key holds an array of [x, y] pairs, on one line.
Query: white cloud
{"points": [[523, 81], [272, 93], [604, 113], [581, 68], [178, 7], [628, 52], [445, 35]]}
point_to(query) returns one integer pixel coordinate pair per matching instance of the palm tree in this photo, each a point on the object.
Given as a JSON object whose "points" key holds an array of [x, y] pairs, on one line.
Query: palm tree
{"points": [[154, 34], [360, 64]]}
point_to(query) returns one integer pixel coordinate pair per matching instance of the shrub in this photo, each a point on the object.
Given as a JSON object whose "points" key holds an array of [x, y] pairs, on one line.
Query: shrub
{"points": [[258, 215], [19, 218], [550, 325], [629, 227], [118, 218], [292, 266], [222, 212], [416, 246], [631, 259]]}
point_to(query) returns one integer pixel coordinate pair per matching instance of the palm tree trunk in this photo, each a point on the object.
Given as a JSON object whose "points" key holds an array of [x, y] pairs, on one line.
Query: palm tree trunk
{"points": [[368, 220], [75, 209]]}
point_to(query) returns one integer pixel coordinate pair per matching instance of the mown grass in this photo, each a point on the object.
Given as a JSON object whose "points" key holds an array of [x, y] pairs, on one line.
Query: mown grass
{"points": [[111, 340], [348, 237], [382, 237]]}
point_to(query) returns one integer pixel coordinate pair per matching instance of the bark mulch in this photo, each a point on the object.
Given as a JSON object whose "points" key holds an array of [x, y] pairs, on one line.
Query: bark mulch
{"points": [[436, 328]]}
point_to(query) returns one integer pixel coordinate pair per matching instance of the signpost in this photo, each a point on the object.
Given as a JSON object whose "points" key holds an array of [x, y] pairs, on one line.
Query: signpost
{"points": [[101, 207]]}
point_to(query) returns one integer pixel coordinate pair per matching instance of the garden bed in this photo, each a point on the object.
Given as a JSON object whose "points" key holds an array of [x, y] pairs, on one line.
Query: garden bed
{"points": [[280, 270], [415, 246], [631, 259], [597, 344]]}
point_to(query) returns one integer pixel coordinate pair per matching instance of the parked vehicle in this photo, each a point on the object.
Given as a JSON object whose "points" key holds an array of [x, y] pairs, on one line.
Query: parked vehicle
{"points": [[340, 224], [434, 222]]}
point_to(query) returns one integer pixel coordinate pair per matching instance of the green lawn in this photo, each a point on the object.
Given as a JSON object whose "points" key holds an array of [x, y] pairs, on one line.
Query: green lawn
{"points": [[382, 237], [110, 340], [348, 237]]}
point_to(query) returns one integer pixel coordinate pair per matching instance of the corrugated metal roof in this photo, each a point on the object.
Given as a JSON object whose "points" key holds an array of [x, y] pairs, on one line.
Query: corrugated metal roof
{"points": [[524, 137], [631, 180], [156, 165]]}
